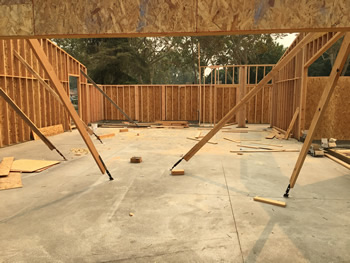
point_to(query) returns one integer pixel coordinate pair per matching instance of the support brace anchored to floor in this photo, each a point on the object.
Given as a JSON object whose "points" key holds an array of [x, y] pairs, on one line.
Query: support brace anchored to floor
{"points": [[249, 96], [322, 105], [44, 61]]}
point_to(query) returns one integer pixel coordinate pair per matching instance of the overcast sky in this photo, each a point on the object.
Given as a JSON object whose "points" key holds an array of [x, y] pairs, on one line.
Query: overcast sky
{"points": [[286, 41]]}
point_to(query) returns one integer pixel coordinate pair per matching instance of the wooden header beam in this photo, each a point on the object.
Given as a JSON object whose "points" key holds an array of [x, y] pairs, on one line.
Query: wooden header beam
{"points": [[134, 18]]}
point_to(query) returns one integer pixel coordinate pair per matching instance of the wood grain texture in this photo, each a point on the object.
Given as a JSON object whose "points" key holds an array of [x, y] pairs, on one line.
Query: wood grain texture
{"points": [[29, 166], [113, 17], [245, 15], [5, 166], [16, 18], [13, 180], [336, 118], [269, 201], [169, 17]]}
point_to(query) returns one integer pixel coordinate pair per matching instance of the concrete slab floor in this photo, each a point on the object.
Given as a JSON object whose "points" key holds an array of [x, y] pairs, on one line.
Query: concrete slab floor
{"points": [[72, 213]]}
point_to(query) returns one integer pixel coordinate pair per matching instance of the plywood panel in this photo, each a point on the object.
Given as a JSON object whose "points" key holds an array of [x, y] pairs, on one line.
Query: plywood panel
{"points": [[123, 18], [29, 166], [106, 17], [336, 119], [13, 180], [16, 17]]}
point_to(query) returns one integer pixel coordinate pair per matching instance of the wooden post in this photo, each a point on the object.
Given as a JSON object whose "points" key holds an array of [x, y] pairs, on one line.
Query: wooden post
{"points": [[44, 61], [251, 94], [200, 85], [326, 95], [163, 103], [241, 114]]}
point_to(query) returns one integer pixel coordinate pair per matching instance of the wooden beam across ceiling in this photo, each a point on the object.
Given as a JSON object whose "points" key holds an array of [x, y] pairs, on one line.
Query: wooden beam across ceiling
{"points": [[132, 18]]}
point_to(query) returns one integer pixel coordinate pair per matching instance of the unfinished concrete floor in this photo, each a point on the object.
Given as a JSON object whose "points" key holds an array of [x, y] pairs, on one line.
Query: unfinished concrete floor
{"points": [[72, 213]]}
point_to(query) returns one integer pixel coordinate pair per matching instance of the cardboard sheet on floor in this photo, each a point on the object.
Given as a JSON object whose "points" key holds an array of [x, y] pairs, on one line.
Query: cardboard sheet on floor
{"points": [[5, 166], [13, 180], [29, 166]]}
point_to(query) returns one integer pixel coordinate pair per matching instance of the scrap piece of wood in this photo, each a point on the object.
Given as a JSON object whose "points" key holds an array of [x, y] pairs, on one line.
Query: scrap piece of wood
{"points": [[135, 159], [104, 136], [48, 68], [198, 135], [233, 131], [49, 131], [271, 135], [29, 166], [254, 147], [291, 125], [337, 160], [228, 139], [322, 105], [340, 155], [13, 180], [270, 201], [259, 143], [5, 166], [178, 172], [279, 130], [123, 130], [194, 139], [265, 151]]}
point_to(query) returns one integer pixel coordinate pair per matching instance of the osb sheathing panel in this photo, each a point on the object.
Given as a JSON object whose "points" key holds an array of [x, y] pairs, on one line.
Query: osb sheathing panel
{"points": [[16, 17], [106, 16], [335, 122], [242, 15], [47, 18]]}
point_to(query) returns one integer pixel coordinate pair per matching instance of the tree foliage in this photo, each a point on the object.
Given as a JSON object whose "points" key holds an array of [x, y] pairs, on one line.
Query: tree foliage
{"points": [[167, 60]]}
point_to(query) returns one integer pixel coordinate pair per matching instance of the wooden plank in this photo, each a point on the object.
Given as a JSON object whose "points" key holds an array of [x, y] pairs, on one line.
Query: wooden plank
{"points": [[177, 172], [135, 159], [324, 48], [326, 95], [228, 139], [254, 147], [13, 180], [250, 95], [105, 136], [241, 114], [271, 136], [338, 160], [279, 130], [5, 166], [49, 131], [269, 201], [198, 135], [41, 56], [26, 119], [269, 151], [291, 125], [29, 166], [194, 139]]}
